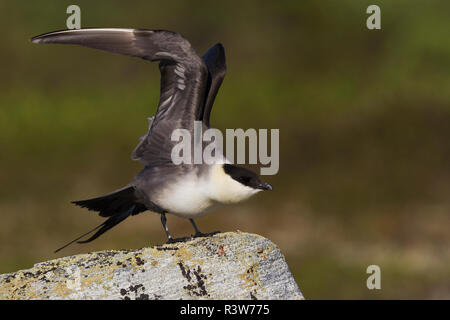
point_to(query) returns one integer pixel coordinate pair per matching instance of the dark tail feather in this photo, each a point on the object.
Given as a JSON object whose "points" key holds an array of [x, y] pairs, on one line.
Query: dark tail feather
{"points": [[111, 222], [117, 206], [112, 203], [68, 244], [105, 226]]}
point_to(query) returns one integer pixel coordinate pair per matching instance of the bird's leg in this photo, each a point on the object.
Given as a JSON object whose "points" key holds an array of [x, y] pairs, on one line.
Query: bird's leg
{"points": [[201, 234], [164, 223], [197, 232]]}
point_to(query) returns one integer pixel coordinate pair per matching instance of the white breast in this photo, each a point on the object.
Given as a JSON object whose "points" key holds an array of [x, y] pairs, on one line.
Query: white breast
{"points": [[194, 196], [188, 197]]}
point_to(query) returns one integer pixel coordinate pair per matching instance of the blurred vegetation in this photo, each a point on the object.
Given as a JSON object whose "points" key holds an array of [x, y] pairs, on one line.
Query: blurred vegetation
{"points": [[364, 126]]}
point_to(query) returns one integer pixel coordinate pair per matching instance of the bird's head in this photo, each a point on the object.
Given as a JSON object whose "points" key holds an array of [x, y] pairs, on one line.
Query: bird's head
{"points": [[246, 177], [233, 184]]}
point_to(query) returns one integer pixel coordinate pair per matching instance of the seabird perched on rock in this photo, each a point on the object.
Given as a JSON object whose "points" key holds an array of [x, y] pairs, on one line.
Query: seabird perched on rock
{"points": [[189, 85]]}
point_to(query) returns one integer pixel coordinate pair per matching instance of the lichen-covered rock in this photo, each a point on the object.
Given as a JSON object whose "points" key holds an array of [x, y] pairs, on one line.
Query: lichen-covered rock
{"points": [[225, 266]]}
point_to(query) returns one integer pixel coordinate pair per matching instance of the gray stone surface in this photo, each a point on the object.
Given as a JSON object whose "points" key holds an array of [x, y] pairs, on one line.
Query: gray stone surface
{"points": [[230, 265]]}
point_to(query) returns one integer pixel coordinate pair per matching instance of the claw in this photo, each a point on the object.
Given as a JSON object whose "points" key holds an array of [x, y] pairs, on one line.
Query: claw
{"points": [[201, 234], [170, 240]]}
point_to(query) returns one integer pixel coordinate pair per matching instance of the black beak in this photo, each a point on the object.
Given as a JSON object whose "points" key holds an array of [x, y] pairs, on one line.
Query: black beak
{"points": [[265, 186]]}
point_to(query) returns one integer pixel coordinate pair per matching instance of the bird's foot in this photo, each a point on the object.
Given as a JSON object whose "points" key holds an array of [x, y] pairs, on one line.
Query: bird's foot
{"points": [[196, 235], [201, 234], [175, 240], [170, 240]]}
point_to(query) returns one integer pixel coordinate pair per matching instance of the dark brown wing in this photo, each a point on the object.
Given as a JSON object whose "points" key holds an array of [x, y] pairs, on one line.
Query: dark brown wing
{"points": [[214, 59], [184, 79]]}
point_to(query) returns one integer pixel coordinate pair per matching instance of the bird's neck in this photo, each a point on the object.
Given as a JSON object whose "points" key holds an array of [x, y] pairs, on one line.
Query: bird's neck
{"points": [[224, 189]]}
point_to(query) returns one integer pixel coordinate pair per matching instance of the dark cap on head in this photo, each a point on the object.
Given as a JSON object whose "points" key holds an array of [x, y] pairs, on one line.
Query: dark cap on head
{"points": [[246, 177]]}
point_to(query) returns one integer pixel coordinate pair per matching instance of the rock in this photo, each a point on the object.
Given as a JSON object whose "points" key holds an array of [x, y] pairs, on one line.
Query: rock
{"points": [[226, 266]]}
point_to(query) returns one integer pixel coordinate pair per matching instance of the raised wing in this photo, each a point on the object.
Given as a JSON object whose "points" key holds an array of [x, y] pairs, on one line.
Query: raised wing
{"points": [[214, 59], [184, 79], [142, 139]]}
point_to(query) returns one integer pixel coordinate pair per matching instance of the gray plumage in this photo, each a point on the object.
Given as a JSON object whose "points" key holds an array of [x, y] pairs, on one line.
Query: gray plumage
{"points": [[184, 79], [189, 85]]}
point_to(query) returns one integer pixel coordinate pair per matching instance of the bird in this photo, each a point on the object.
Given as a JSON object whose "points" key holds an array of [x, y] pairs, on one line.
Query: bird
{"points": [[189, 85]]}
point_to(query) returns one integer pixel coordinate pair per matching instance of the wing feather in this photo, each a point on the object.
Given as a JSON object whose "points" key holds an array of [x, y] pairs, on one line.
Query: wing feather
{"points": [[214, 59], [184, 79]]}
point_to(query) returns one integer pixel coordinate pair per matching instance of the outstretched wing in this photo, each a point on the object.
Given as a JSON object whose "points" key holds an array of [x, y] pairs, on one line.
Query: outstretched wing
{"points": [[214, 59], [184, 79], [142, 140]]}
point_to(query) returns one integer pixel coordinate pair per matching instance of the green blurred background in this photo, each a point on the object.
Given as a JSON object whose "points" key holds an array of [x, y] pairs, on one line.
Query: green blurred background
{"points": [[364, 120]]}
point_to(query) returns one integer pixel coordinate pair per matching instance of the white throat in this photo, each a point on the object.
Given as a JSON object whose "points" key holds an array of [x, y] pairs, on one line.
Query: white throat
{"points": [[225, 189]]}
